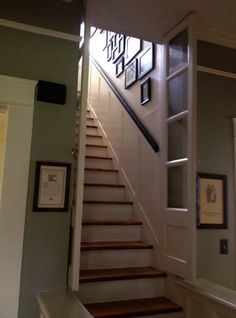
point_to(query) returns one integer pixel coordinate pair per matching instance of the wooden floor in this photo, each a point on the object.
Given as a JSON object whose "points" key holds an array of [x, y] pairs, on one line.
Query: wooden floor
{"points": [[133, 308]]}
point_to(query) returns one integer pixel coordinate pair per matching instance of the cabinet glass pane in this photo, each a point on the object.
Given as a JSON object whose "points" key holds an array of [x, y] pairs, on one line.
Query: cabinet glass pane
{"points": [[178, 94], [178, 51], [177, 139], [177, 181]]}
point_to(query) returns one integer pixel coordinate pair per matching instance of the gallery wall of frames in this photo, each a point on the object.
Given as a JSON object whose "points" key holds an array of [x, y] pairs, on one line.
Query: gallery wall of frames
{"points": [[130, 58]]}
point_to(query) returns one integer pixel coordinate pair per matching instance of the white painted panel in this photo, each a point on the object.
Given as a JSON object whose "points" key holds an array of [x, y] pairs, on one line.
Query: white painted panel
{"points": [[176, 245]]}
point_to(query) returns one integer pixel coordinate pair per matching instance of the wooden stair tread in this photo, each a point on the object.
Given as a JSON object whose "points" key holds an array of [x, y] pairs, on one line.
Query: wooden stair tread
{"points": [[114, 245], [101, 169], [104, 185], [99, 275], [96, 146], [98, 157], [111, 222], [107, 202], [91, 126], [133, 307], [93, 136]]}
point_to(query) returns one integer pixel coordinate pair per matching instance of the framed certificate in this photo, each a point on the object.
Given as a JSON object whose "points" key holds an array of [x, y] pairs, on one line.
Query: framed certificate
{"points": [[51, 190], [212, 201]]}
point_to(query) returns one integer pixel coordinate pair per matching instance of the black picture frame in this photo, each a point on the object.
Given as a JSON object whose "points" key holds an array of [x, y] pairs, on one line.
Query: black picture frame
{"points": [[118, 46], [51, 187], [145, 91], [131, 74], [132, 47], [211, 201], [109, 50], [146, 61], [120, 66], [105, 39]]}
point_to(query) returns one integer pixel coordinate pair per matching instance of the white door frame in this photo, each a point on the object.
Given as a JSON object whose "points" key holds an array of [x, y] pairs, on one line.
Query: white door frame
{"points": [[17, 98], [178, 255]]}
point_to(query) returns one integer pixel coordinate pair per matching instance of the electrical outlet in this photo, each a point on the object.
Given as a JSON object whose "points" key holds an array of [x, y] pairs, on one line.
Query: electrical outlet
{"points": [[224, 246]]}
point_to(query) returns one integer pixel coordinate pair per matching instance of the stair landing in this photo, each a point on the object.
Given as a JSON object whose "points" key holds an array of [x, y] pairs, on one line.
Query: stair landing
{"points": [[132, 308]]}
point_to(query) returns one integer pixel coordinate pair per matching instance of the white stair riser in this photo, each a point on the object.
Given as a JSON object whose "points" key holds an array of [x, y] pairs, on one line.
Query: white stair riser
{"points": [[104, 193], [93, 233], [94, 140], [121, 290], [168, 315], [101, 177], [99, 163], [106, 208], [92, 131], [96, 151], [107, 213], [115, 259]]}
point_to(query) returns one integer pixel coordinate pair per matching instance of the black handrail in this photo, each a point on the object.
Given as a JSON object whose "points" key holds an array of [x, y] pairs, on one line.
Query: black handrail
{"points": [[129, 110]]}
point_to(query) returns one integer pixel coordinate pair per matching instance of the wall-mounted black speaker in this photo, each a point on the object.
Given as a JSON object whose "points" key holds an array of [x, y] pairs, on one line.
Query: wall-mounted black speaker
{"points": [[51, 92]]}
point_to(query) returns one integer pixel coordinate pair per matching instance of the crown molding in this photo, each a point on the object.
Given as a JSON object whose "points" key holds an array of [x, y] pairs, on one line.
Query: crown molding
{"points": [[39, 30], [217, 36]]}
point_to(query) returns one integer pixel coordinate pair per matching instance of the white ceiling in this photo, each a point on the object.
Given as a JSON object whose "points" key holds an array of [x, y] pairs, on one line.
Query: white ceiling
{"points": [[141, 17]]}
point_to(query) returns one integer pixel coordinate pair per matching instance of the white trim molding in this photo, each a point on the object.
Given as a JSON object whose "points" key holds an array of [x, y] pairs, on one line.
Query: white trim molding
{"points": [[39, 30], [217, 36], [17, 99], [214, 71]]}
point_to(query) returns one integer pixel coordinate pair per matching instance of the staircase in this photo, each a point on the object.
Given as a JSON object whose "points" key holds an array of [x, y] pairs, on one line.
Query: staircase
{"points": [[116, 277]]}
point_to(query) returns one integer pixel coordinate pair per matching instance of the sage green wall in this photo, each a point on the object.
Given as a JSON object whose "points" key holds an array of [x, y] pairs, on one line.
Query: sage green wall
{"points": [[45, 252], [216, 107]]}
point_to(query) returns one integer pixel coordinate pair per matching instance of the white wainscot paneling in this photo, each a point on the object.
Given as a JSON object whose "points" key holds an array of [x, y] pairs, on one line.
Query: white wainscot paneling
{"points": [[131, 153], [176, 246], [202, 298], [115, 124]]}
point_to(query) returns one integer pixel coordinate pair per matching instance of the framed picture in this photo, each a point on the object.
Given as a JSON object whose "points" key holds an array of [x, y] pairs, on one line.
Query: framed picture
{"points": [[118, 47], [51, 189], [211, 201], [109, 50], [104, 39], [146, 61], [131, 74], [132, 48], [145, 91], [120, 66]]}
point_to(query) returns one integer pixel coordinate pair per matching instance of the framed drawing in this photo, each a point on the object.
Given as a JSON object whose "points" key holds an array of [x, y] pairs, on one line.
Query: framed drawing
{"points": [[120, 66], [131, 74], [211, 201], [132, 48], [145, 91], [146, 61], [51, 189]]}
